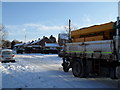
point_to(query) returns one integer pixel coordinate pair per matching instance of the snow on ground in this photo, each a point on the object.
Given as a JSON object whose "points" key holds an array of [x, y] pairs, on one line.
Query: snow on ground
{"points": [[45, 71], [0, 76]]}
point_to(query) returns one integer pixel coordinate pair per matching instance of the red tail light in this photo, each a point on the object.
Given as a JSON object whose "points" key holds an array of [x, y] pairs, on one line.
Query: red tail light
{"points": [[13, 55]]}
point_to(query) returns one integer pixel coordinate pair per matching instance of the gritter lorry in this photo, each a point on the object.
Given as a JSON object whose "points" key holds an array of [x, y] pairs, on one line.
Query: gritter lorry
{"points": [[94, 51]]}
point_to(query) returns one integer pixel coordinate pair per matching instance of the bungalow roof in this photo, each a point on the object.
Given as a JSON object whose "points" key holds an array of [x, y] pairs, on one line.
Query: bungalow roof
{"points": [[51, 45], [20, 44], [35, 41]]}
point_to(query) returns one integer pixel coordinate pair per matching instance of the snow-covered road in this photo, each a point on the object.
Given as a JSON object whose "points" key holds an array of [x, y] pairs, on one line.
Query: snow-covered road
{"points": [[45, 71]]}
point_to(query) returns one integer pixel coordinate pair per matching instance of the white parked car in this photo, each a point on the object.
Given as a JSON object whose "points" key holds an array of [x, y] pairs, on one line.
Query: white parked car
{"points": [[6, 55]]}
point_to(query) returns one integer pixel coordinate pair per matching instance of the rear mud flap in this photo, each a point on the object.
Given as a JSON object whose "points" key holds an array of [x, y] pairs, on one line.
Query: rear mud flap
{"points": [[118, 72]]}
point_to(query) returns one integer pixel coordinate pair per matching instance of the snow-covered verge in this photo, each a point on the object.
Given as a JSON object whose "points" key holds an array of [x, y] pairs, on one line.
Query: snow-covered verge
{"points": [[45, 71], [0, 76]]}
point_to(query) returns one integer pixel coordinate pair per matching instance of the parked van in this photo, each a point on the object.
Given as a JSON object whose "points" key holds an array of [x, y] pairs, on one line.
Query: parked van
{"points": [[6, 55]]}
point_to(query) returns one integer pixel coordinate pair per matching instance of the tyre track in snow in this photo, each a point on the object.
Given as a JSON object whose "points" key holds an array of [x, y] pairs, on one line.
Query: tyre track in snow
{"points": [[48, 68], [70, 80], [45, 72], [62, 75], [8, 67]]}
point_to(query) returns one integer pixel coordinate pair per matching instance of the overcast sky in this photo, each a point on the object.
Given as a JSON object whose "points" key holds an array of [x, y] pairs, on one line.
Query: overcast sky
{"points": [[38, 19]]}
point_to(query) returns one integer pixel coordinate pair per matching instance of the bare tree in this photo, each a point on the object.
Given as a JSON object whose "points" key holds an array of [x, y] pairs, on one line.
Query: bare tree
{"points": [[3, 35], [6, 44]]}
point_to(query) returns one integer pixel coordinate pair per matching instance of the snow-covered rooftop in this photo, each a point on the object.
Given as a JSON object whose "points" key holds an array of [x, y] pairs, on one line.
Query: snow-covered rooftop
{"points": [[20, 44], [36, 41], [34, 46], [28, 43], [51, 45]]}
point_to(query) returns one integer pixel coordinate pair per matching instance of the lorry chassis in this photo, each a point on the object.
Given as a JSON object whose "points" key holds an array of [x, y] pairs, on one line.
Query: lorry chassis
{"points": [[87, 67]]}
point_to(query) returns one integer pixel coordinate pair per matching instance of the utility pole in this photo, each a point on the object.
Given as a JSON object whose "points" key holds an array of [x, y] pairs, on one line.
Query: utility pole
{"points": [[69, 29], [1, 26], [25, 38], [117, 24]]}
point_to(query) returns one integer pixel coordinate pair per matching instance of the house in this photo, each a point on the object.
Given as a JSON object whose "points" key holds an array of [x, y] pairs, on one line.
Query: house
{"points": [[33, 47], [37, 45], [20, 45], [52, 45], [44, 40], [51, 48], [52, 39], [19, 48], [36, 42], [27, 44]]}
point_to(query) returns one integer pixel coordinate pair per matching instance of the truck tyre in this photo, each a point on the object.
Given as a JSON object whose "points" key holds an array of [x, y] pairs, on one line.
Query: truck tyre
{"points": [[113, 73], [65, 67], [66, 64], [77, 69]]}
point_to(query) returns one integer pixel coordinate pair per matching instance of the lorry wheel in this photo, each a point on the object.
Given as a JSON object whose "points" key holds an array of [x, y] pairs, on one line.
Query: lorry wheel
{"points": [[65, 67], [66, 64], [113, 73], [77, 69]]}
